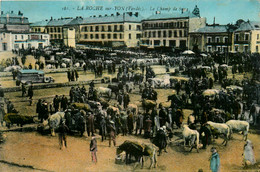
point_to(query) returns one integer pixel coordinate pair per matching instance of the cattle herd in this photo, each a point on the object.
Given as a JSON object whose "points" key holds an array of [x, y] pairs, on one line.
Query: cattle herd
{"points": [[221, 103]]}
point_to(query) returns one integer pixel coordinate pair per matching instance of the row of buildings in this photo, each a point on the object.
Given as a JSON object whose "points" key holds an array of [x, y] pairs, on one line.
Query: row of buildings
{"points": [[183, 30], [15, 33]]}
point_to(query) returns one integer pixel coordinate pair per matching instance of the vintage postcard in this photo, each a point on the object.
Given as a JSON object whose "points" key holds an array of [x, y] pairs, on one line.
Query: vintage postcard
{"points": [[130, 85]]}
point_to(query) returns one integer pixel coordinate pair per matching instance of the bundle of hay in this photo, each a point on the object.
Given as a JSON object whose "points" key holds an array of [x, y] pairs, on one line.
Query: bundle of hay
{"points": [[81, 106], [15, 118]]}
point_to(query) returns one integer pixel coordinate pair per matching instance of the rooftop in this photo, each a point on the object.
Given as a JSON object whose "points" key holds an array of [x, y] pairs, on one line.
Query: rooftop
{"points": [[117, 18], [40, 23], [162, 16], [213, 29], [249, 25]]}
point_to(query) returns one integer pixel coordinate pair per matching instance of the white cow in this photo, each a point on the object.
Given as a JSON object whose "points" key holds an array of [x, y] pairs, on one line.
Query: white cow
{"points": [[104, 91], [222, 128], [160, 82], [237, 125], [54, 121], [77, 65], [63, 65], [191, 136]]}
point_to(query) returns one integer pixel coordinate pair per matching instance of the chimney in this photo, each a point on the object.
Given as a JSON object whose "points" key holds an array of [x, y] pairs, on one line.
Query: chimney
{"points": [[214, 21], [136, 14], [51, 18], [117, 13]]}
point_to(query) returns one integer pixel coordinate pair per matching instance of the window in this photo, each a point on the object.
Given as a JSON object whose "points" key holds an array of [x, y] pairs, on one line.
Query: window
{"points": [[170, 34], [154, 34], [121, 28], [85, 36], [15, 37], [29, 45], [175, 33], [130, 27], [209, 49], [59, 30], [108, 36], [121, 36], [55, 29], [91, 29], [246, 37], [115, 28], [97, 36], [159, 34], [256, 48], [218, 48], [180, 33], [22, 37], [55, 36], [257, 36], [246, 48], [91, 36], [156, 42], [97, 28], [181, 24], [237, 37], [145, 34], [150, 34], [59, 36], [51, 29], [102, 36], [115, 36], [217, 39], [164, 34], [138, 36], [103, 28], [109, 28], [209, 40], [225, 40], [129, 36], [138, 27]]}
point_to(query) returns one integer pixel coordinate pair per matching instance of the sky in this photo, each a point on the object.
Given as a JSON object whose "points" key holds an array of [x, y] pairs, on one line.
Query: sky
{"points": [[224, 11]]}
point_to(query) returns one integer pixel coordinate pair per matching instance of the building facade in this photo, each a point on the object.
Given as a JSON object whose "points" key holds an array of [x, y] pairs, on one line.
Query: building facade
{"points": [[211, 38], [12, 40], [114, 30], [247, 37], [170, 30], [15, 33]]}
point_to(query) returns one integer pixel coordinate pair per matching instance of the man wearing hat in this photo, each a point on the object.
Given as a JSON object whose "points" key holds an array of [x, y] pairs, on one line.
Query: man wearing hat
{"points": [[214, 160], [62, 134], [90, 123], [93, 149], [112, 132]]}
